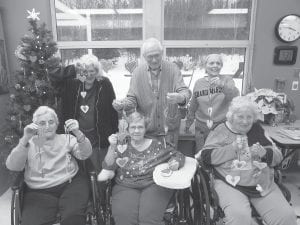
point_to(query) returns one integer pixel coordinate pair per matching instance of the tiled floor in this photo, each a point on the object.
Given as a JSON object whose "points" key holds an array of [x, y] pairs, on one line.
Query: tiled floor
{"points": [[291, 180]]}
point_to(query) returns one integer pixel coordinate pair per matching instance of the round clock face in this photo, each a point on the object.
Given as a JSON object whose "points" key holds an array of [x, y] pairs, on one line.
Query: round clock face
{"points": [[288, 28]]}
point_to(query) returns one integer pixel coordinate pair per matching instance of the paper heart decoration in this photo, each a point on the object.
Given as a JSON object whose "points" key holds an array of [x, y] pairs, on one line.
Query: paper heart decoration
{"points": [[83, 94], [33, 58], [130, 66], [166, 172], [209, 123], [39, 141], [259, 188], [121, 162], [232, 180], [236, 164], [260, 165], [122, 148], [84, 108], [81, 78]]}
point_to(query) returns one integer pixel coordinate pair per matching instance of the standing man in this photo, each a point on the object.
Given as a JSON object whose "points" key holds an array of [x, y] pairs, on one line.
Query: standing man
{"points": [[156, 90]]}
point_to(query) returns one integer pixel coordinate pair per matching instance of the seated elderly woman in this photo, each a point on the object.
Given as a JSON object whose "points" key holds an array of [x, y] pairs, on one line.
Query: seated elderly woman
{"points": [[54, 183], [136, 199], [243, 158]]}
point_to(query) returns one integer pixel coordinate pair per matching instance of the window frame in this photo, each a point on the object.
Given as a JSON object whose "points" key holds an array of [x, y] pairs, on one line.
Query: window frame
{"points": [[153, 27]]}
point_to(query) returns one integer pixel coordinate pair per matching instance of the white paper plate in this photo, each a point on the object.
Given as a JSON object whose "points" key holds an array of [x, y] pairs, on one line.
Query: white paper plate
{"points": [[179, 179]]}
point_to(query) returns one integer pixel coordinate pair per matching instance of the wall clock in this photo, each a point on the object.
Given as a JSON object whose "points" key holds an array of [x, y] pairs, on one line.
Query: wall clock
{"points": [[287, 29]]}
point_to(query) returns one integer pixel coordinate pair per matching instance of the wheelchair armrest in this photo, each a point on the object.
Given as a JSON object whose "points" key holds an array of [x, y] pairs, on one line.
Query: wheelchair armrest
{"points": [[18, 182]]}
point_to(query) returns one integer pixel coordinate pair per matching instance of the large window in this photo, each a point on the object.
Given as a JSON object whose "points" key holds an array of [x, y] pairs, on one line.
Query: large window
{"points": [[189, 30]]}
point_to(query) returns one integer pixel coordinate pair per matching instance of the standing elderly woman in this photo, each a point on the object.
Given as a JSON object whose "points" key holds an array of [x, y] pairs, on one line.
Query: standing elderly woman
{"points": [[89, 100], [136, 199], [211, 97], [243, 158], [54, 183]]}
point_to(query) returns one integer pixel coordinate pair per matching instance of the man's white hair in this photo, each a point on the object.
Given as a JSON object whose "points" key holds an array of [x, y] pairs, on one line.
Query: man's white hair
{"points": [[151, 43]]}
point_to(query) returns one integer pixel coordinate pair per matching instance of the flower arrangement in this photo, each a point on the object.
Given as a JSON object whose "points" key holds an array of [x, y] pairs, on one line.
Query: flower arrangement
{"points": [[272, 105]]}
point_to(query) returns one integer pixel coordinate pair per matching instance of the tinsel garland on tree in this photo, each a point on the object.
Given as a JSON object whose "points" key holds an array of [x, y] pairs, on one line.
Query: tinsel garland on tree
{"points": [[31, 87]]}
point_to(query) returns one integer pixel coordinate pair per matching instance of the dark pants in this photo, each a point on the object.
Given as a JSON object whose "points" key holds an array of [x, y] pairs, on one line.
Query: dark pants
{"points": [[144, 206], [69, 200]]}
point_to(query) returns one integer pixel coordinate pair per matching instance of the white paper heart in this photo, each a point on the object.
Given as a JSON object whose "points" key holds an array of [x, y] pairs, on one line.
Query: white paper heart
{"points": [[236, 164], [83, 94], [260, 165], [81, 78], [233, 180], [122, 148], [84, 108], [259, 188], [209, 123], [121, 162]]}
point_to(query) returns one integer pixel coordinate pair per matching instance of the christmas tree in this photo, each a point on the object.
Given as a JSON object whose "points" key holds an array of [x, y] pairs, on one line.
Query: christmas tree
{"points": [[31, 87]]}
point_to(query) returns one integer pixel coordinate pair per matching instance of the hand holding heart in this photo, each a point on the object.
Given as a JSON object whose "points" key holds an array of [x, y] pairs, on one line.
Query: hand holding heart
{"points": [[30, 130], [173, 164], [113, 139], [72, 125], [258, 150], [118, 105]]}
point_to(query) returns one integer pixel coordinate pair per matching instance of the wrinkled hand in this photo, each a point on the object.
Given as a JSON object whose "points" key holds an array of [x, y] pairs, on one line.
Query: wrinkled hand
{"points": [[173, 164], [30, 130], [217, 81], [258, 150], [175, 98], [72, 125], [113, 139], [118, 105]]}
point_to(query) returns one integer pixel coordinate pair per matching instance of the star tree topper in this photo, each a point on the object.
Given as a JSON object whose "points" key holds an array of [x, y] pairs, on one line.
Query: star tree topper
{"points": [[33, 15]]}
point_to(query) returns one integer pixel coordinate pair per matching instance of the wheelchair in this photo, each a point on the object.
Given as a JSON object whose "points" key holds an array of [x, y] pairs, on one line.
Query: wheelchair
{"points": [[211, 212], [93, 213], [185, 207]]}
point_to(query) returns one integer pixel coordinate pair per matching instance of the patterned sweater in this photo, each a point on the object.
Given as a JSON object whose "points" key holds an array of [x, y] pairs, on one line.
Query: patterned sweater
{"points": [[135, 169], [141, 96], [50, 165], [257, 179], [220, 100]]}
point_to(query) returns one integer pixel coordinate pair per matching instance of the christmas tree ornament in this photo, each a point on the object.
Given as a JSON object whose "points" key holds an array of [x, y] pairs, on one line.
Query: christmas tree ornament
{"points": [[17, 86], [27, 108], [41, 61], [33, 15], [33, 58]]}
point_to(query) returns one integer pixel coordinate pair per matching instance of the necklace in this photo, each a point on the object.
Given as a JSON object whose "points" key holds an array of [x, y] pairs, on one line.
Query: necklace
{"points": [[209, 122]]}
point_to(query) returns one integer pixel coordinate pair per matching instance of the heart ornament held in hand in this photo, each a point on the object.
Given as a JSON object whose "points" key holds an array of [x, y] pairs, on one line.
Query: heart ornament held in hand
{"points": [[83, 94], [121, 162], [122, 148], [260, 165], [233, 180], [84, 108]]}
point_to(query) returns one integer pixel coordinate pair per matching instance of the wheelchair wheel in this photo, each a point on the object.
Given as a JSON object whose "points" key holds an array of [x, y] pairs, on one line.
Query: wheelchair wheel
{"points": [[202, 201], [15, 208]]}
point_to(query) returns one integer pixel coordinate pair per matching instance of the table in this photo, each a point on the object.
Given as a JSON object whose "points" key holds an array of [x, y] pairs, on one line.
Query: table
{"points": [[282, 139]]}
